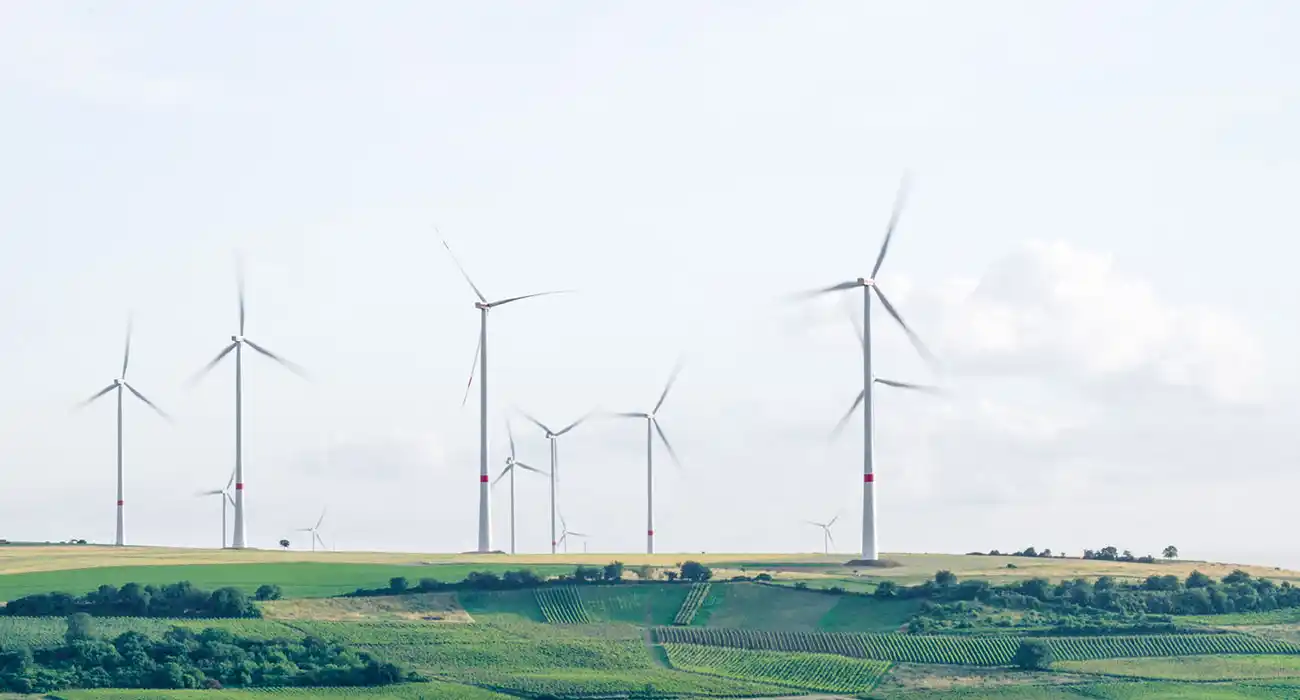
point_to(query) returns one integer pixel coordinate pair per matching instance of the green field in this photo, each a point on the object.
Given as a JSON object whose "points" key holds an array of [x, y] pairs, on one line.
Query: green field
{"points": [[1193, 668], [820, 672], [412, 691], [297, 580], [658, 639]]}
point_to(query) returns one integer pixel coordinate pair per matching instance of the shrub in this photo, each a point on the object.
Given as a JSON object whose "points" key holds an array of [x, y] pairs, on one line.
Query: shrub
{"points": [[1033, 655], [398, 584], [268, 591]]}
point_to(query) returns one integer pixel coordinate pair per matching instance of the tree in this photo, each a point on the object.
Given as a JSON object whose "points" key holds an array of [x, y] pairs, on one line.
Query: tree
{"points": [[284, 544], [1197, 579], [1108, 553], [398, 584], [670, 575], [81, 626], [886, 589], [268, 591], [614, 571], [1033, 655], [1171, 552], [945, 578], [695, 571]]}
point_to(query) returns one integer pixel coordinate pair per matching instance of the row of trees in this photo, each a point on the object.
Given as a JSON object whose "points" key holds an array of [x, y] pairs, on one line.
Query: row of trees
{"points": [[526, 578], [182, 658], [133, 600], [1108, 553], [1197, 594]]}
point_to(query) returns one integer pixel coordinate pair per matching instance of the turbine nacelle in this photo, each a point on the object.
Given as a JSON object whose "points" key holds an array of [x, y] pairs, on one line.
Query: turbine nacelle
{"points": [[481, 306], [237, 339], [866, 282]]}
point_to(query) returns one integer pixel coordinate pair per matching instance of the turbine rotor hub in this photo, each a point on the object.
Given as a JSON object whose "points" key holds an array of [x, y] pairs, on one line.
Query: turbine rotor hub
{"points": [[236, 338], [865, 282], [481, 306]]}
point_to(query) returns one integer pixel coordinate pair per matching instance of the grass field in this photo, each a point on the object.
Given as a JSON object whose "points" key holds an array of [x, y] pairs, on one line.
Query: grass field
{"points": [[1193, 668], [296, 579], [410, 691], [1132, 690], [430, 607]]}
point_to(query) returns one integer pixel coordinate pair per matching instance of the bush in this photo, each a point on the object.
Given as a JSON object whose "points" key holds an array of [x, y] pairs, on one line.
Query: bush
{"points": [[398, 584], [1033, 655], [763, 577], [268, 591], [695, 571]]}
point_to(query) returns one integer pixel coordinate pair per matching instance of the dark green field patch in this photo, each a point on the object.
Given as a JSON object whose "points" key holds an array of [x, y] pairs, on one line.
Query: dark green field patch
{"points": [[642, 604], [296, 579], [758, 607], [862, 614]]}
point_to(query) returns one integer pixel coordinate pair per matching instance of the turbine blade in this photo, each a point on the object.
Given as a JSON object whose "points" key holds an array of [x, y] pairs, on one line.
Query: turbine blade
{"points": [[628, 415], [218, 492], [528, 296], [98, 394], [208, 367], [239, 283], [908, 385], [302, 529], [463, 273], [916, 340], [521, 465], [809, 294], [537, 423], [149, 403], [478, 347], [814, 524], [832, 522], [830, 537], [899, 199], [856, 320], [510, 433], [672, 379], [126, 352], [230, 498], [667, 444], [320, 540], [502, 474], [574, 424], [291, 366], [578, 534], [848, 414], [322, 517], [232, 480]]}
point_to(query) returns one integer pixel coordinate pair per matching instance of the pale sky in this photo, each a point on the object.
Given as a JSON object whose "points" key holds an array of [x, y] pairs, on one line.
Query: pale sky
{"points": [[1098, 245]]}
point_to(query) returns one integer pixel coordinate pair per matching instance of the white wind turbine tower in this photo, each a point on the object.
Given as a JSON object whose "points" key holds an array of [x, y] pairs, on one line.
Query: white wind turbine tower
{"points": [[827, 540], [552, 436], [118, 385], [566, 532], [869, 286], [513, 464], [652, 427], [480, 356], [226, 499], [237, 343], [315, 533]]}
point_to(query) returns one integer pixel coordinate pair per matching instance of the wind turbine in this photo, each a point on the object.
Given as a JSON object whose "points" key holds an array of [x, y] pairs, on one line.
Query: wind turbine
{"points": [[566, 532], [237, 343], [827, 540], [118, 385], [652, 427], [226, 499], [552, 435], [511, 465], [315, 533], [480, 356], [869, 286]]}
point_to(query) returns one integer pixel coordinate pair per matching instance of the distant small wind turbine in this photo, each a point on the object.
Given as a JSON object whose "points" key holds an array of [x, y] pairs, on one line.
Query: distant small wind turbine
{"points": [[117, 385], [511, 465], [566, 533], [480, 356], [237, 343], [227, 499], [552, 436], [652, 427], [827, 540], [315, 533]]}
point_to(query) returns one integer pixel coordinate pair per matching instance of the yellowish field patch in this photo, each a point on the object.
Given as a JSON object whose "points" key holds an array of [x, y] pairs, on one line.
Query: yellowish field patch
{"points": [[415, 607], [20, 559]]}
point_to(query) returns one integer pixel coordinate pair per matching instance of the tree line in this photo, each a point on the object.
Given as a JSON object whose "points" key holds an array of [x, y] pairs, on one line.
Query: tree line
{"points": [[182, 658], [133, 600], [612, 573]]}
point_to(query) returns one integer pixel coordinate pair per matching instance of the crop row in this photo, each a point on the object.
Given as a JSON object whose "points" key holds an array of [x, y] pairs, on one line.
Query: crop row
{"points": [[970, 651], [655, 682], [691, 605], [824, 672], [562, 605]]}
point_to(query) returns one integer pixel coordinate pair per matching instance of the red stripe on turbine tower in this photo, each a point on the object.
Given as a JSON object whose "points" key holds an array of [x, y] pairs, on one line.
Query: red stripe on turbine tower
{"points": [[868, 478], [483, 478], [239, 487], [121, 503], [650, 532]]}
